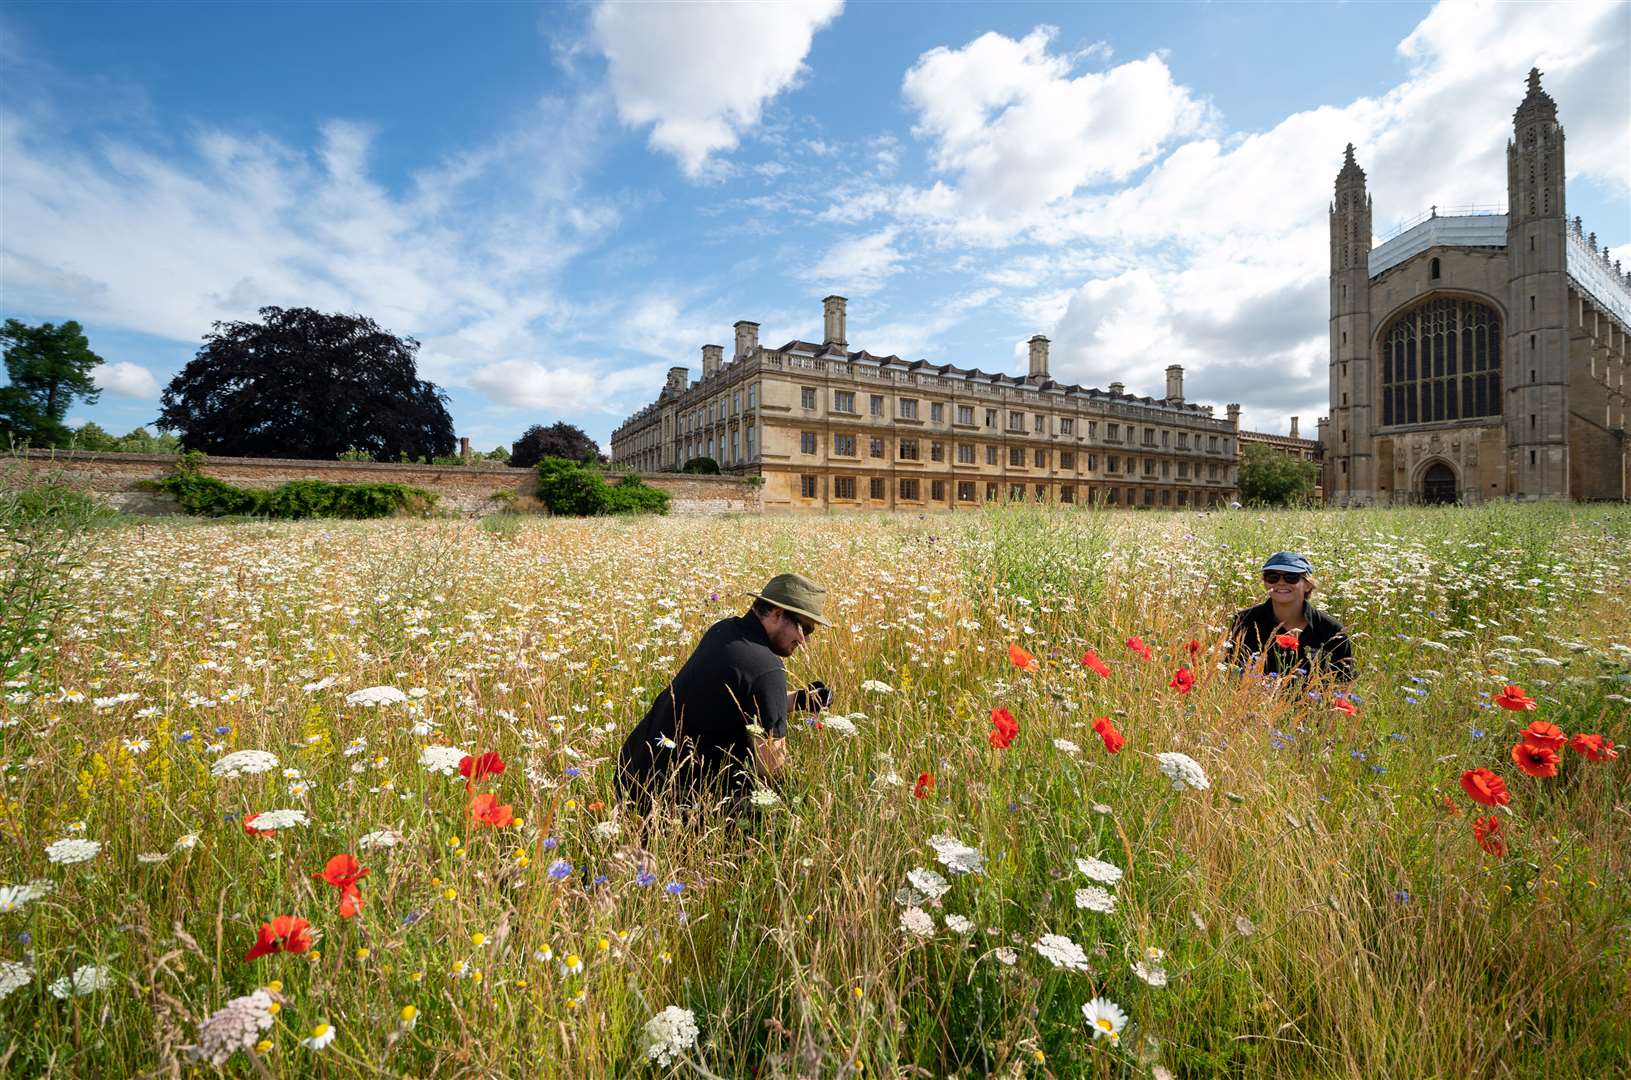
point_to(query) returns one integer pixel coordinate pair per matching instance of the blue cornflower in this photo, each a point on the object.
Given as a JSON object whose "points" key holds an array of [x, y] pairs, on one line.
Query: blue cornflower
{"points": [[229, 817], [1277, 743], [559, 869], [412, 917], [673, 888], [1478, 733], [1378, 769], [1399, 736], [600, 879], [644, 877], [573, 772], [24, 938], [222, 729], [185, 736], [550, 843], [1402, 896], [1357, 755]]}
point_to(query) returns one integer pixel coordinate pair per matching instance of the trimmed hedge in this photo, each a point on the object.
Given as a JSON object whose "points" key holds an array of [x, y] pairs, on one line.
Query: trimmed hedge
{"points": [[572, 489], [208, 497]]}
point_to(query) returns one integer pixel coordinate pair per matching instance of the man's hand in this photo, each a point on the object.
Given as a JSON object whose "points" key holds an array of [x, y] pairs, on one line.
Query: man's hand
{"points": [[771, 756]]}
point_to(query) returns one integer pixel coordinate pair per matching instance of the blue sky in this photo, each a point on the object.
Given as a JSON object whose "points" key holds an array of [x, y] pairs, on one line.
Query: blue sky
{"points": [[562, 201]]}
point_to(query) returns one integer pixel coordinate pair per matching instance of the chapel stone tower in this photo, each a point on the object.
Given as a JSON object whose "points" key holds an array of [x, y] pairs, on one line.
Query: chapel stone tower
{"points": [[1352, 414], [1535, 368]]}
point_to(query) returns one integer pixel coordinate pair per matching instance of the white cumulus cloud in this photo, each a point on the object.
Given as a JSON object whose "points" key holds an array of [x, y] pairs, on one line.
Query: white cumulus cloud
{"points": [[700, 72], [1016, 128], [127, 380]]}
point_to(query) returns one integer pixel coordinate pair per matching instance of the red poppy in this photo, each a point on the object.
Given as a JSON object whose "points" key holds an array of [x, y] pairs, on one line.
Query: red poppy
{"points": [[343, 873], [1194, 647], [1136, 644], [249, 826], [1113, 739], [1343, 705], [1484, 830], [925, 784], [286, 933], [1091, 661], [1483, 786], [1512, 697], [1595, 747], [1535, 760], [485, 809], [1022, 659], [1287, 641], [1449, 805], [1546, 736], [1004, 728], [1183, 680], [476, 769]]}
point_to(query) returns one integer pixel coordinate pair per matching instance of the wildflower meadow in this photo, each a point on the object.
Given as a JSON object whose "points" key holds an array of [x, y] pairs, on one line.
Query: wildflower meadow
{"points": [[336, 800]]}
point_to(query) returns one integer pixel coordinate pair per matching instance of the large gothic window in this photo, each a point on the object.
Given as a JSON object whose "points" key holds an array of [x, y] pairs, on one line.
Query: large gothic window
{"points": [[1441, 361]]}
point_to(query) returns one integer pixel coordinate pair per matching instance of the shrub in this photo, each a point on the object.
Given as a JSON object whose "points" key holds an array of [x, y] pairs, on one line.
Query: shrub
{"points": [[702, 466], [571, 489], [208, 497], [42, 528]]}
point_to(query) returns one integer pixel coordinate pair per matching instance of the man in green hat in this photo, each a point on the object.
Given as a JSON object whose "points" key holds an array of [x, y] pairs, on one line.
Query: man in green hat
{"points": [[722, 721]]}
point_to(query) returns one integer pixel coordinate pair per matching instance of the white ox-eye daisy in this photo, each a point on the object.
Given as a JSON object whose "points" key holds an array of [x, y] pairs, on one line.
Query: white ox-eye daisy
{"points": [[1104, 1018]]}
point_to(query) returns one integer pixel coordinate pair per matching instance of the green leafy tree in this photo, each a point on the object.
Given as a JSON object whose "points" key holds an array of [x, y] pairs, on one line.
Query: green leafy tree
{"points": [[304, 384], [1271, 478], [49, 367], [91, 436], [142, 441], [701, 466]]}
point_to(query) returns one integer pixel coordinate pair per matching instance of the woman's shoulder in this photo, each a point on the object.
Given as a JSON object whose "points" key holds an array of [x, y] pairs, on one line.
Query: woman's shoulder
{"points": [[1329, 622]]}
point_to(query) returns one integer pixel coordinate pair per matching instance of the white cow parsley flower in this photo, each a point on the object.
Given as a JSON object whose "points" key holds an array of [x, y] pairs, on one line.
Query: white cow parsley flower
{"points": [[72, 850], [244, 763], [86, 979], [1099, 870], [917, 922], [956, 856], [1183, 770], [1061, 952], [669, 1034], [371, 696]]}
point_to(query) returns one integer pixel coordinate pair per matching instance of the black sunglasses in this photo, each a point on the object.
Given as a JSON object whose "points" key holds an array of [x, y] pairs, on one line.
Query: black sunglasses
{"points": [[1271, 577], [805, 628]]}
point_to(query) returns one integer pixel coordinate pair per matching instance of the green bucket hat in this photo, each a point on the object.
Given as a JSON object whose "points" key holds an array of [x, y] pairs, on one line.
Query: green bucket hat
{"points": [[795, 593]]}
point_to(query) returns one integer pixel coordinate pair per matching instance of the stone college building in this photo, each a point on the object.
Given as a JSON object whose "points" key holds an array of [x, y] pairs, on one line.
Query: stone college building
{"points": [[1478, 356], [831, 428]]}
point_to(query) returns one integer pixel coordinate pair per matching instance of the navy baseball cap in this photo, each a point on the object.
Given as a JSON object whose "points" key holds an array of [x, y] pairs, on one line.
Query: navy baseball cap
{"points": [[1288, 560]]}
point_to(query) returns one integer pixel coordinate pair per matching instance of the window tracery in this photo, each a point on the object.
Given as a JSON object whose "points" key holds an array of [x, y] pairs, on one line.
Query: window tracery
{"points": [[1441, 360]]}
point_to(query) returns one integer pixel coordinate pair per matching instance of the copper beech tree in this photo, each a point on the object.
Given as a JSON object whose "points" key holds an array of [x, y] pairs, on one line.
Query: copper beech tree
{"points": [[304, 384]]}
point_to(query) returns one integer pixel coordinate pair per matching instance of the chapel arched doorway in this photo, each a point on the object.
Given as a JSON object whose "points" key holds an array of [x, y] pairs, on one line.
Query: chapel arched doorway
{"points": [[1438, 484]]}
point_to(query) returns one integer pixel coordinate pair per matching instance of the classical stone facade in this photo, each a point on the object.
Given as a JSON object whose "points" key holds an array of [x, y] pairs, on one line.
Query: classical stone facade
{"points": [[1478, 356], [829, 428]]}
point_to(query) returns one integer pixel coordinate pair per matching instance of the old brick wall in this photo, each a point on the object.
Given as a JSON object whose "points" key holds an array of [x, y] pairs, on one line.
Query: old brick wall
{"points": [[473, 491]]}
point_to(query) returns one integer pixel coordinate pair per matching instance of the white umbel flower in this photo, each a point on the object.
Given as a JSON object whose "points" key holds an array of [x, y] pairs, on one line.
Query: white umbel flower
{"points": [[244, 763], [873, 686], [1154, 974], [841, 724], [72, 850], [1183, 770], [1093, 898], [917, 922], [272, 820], [86, 979], [1099, 870], [959, 924], [1061, 952], [956, 856], [929, 883], [1105, 1018], [234, 1026], [669, 1034], [370, 696], [13, 977], [764, 798], [441, 759], [383, 838]]}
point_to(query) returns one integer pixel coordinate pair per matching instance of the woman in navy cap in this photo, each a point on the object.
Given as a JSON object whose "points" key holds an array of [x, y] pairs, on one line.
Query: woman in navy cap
{"points": [[1286, 630]]}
